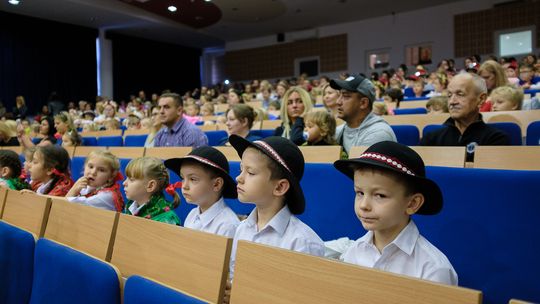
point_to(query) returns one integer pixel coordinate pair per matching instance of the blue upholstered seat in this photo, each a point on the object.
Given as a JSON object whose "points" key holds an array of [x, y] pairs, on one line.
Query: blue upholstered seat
{"points": [[533, 134], [407, 134], [65, 275], [139, 290], [135, 140], [110, 141], [16, 264]]}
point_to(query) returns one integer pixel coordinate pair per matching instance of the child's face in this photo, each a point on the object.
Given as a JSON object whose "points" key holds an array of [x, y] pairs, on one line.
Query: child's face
{"points": [[66, 141], [206, 112], [418, 88], [38, 172], [98, 172], [315, 134], [136, 189], [28, 163], [502, 104], [192, 111], [198, 186], [381, 202], [25, 124], [254, 183]]}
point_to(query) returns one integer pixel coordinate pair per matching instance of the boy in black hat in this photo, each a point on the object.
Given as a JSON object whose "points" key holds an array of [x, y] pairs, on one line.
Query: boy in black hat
{"points": [[205, 182], [271, 170], [390, 185]]}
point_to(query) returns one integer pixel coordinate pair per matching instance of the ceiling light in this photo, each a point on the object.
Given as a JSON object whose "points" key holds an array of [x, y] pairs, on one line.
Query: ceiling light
{"points": [[207, 0], [172, 8], [14, 2]]}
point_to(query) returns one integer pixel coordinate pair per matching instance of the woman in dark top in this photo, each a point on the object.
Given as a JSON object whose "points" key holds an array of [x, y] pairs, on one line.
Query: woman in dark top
{"points": [[20, 109], [240, 119], [46, 133], [295, 103]]}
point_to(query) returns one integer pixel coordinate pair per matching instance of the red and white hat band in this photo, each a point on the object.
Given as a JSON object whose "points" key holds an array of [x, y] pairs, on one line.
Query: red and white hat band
{"points": [[392, 162], [272, 152], [205, 161]]}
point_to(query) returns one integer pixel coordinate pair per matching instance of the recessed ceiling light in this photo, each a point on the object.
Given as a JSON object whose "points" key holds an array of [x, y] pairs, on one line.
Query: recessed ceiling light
{"points": [[207, 0], [14, 2], [172, 8]]}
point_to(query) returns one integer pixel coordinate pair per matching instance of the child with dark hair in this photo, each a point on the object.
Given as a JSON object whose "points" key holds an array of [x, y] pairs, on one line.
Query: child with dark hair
{"points": [[10, 171], [50, 171]]}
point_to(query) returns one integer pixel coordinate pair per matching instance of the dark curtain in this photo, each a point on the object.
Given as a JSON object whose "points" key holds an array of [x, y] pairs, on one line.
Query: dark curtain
{"points": [[38, 57], [140, 64]]}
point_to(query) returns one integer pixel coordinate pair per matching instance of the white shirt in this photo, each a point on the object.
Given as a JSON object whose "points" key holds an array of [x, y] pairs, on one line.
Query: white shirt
{"points": [[135, 208], [409, 254], [42, 187], [102, 200], [218, 219], [284, 230]]}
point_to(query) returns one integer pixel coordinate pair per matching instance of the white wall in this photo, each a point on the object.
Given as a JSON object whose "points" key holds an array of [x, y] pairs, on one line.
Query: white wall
{"points": [[105, 67], [434, 25]]}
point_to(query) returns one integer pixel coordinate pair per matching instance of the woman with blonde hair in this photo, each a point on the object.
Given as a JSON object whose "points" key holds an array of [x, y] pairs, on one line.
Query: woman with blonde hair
{"points": [[20, 109], [8, 134], [495, 76], [296, 102]]}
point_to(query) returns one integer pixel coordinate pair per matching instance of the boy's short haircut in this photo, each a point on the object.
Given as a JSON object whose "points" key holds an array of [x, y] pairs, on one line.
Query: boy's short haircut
{"points": [[511, 93]]}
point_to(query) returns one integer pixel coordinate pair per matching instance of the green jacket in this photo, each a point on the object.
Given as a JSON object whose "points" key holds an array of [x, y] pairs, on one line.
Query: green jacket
{"points": [[15, 183], [157, 209]]}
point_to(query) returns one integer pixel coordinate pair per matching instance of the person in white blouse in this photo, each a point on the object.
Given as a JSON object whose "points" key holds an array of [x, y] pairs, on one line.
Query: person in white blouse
{"points": [[205, 183], [391, 185]]}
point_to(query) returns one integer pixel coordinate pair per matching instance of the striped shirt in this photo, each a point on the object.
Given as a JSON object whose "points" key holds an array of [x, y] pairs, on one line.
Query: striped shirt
{"points": [[182, 134]]}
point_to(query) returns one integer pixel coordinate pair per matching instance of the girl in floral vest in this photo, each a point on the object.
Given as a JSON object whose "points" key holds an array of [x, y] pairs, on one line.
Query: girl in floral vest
{"points": [[50, 171], [147, 178], [99, 187]]}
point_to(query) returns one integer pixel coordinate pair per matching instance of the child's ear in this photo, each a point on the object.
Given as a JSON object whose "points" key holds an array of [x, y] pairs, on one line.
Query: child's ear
{"points": [[217, 186], [281, 187], [415, 203], [5, 172], [151, 186]]}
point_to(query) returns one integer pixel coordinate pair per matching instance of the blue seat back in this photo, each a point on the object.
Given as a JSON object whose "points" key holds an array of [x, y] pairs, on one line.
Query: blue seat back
{"points": [[410, 111], [16, 264], [65, 275], [110, 141], [263, 133], [214, 137], [513, 131], [77, 167], [431, 128], [407, 134], [486, 230], [139, 290], [135, 140], [533, 134], [89, 141]]}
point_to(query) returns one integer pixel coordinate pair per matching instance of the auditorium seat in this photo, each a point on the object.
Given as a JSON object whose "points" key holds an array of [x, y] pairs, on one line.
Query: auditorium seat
{"points": [[135, 140], [410, 111], [65, 275], [406, 134], [512, 129], [214, 137], [110, 141], [263, 133], [140, 290], [16, 263], [430, 128], [533, 134]]}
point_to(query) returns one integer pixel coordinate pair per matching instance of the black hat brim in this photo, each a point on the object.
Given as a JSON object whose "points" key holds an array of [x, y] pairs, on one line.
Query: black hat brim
{"points": [[229, 186], [295, 197], [433, 198], [338, 84]]}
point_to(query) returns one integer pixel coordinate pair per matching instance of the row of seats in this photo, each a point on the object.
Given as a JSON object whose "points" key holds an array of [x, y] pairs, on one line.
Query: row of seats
{"points": [[405, 134], [483, 211]]}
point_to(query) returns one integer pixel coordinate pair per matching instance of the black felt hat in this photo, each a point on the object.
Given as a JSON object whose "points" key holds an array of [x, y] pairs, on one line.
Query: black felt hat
{"points": [[287, 155], [212, 158], [399, 158]]}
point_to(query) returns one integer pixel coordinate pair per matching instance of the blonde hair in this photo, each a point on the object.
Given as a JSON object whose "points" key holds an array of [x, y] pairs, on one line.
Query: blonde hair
{"points": [[151, 168], [65, 118], [208, 107], [7, 129], [110, 159], [326, 122], [514, 95], [380, 107], [438, 103], [496, 69], [306, 100]]}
